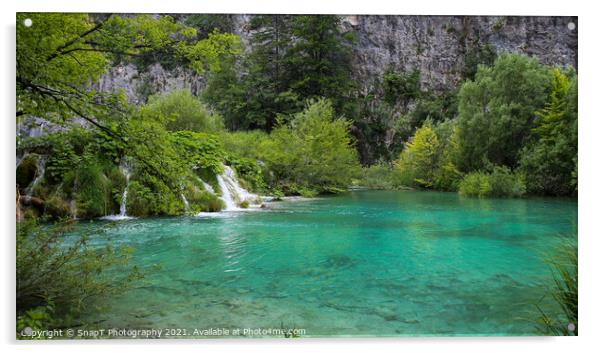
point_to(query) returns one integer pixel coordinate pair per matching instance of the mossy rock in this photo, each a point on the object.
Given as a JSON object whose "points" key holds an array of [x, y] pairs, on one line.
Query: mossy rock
{"points": [[244, 204], [57, 207]]}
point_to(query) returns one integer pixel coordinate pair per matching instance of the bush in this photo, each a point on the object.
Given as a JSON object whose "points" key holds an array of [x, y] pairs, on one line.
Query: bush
{"points": [[249, 173], [56, 207], [199, 150], [57, 278], [180, 110], [475, 184], [504, 183], [501, 182], [150, 197], [378, 176], [93, 190], [200, 200], [401, 86]]}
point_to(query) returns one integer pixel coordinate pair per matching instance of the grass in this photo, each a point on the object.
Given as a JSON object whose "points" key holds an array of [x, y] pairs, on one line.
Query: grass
{"points": [[564, 265]]}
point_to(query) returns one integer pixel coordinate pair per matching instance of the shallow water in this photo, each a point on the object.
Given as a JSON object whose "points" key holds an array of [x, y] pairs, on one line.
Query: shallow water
{"points": [[368, 263]]}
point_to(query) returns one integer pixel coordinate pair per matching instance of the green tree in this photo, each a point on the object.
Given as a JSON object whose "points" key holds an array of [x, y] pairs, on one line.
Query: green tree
{"points": [[180, 110], [319, 62], [419, 160], [253, 99], [497, 111], [314, 150], [550, 161]]}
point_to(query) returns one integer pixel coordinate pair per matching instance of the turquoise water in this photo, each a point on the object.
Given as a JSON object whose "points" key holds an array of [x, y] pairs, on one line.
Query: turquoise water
{"points": [[368, 263]]}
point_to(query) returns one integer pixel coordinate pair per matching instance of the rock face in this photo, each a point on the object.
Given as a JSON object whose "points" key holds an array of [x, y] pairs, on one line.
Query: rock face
{"points": [[436, 45]]}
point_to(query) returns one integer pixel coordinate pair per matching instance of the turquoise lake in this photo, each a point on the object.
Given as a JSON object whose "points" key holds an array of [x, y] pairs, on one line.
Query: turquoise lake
{"points": [[366, 263]]}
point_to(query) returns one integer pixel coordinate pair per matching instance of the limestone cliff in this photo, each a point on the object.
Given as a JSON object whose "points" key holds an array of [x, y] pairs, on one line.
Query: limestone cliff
{"points": [[436, 45]]}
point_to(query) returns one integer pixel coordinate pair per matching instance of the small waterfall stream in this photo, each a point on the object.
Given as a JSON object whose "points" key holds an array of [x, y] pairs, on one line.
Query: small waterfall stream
{"points": [[226, 194], [207, 186], [186, 204], [125, 169], [40, 169], [232, 193]]}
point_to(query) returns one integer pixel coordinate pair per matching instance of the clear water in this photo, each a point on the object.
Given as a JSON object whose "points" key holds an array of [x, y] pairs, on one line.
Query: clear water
{"points": [[368, 263]]}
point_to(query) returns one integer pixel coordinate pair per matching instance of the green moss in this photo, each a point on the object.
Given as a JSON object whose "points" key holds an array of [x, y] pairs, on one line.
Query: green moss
{"points": [[118, 183], [139, 200], [210, 178], [92, 193], [56, 207], [200, 200], [146, 199], [244, 204]]}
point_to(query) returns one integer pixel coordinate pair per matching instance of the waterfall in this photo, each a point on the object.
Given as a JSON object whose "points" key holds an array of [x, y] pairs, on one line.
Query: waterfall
{"points": [[20, 158], [232, 193], [207, 187], [226, 194], [73, 208], [40, 169], [186, 204], [73, 203], [125, 169]]}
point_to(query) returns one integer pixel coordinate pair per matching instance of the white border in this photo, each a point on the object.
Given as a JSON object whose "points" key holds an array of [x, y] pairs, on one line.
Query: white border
{"points": [[590, 178]]}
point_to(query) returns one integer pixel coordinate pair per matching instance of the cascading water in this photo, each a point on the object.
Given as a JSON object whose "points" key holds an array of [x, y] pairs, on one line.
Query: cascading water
{"points": [[125, 169], [73, 209], [232, 193], [20, 158], [40, 170], [186, 204], [226, 194], [207, 187], [73, 203]]}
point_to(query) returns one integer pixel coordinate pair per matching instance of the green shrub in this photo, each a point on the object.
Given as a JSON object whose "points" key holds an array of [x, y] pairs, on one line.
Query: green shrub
{"points": [[501, 182], [475, 184], [401, 86], [378, 176], [505, 183], [56, 207], [180, 110], [93, 190], [200, 200], [58, 276], [150, 197], [140, 199], [200, 150]]}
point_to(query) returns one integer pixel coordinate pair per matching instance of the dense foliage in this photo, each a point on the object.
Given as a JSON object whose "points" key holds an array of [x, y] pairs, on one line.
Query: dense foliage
{"points": [[281, 73], [516, 132]]}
